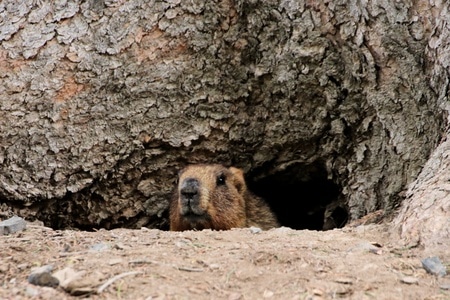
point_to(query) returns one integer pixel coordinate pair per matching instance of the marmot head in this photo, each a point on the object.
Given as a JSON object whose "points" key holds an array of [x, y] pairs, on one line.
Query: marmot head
{"points": [[208, 197]]}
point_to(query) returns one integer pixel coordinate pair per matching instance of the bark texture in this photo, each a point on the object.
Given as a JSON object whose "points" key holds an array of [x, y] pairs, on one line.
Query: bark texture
{"points": [[425, 216], [101, 102]]}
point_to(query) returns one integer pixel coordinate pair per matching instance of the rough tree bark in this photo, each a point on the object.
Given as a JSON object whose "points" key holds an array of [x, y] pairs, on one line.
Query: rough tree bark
{"points": [[425, 216], [102, 101]]}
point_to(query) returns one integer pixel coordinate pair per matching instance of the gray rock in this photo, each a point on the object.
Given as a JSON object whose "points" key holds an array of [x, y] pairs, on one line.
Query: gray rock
{"points": [[12, 225], [433, 265], [43, 277]]}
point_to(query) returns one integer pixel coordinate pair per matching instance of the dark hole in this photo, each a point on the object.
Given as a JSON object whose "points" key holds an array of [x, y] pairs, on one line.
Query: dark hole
{"points": [[338, 218], [300, 196]]}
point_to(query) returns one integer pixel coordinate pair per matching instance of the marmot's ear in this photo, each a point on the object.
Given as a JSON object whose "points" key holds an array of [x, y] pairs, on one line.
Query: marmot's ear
{"points": [[238, 179]]}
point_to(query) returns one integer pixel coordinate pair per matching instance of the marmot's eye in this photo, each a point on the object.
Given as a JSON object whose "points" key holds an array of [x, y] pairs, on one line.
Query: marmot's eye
{"points": [[220, 179]]}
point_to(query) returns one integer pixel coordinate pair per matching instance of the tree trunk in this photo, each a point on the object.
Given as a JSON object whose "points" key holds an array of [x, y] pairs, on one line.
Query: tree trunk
{"points": [[331, 109], [425, 216]]}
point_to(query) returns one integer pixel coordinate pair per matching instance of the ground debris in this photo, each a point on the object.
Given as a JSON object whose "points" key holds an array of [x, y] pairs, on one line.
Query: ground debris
{"points": [[274, 264], [189, 269], [113, 279]]}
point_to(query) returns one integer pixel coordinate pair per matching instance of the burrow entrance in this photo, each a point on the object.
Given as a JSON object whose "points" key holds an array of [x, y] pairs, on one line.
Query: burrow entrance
{"points": [[302, 197]]}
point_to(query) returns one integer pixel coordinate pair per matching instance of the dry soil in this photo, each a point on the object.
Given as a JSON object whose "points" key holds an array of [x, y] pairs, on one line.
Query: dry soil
{"points": [[351, 263]]}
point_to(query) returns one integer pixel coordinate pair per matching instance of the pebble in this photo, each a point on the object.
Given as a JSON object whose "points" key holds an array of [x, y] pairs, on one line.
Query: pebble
{"points": [[43, 269], [366, 246], [282, 230], [4, 268], [120, 246], [22, 266], [42, 277], [115, 261], [433, 265], [12, 225], [255, 230], [409, 280], [183, 243], [317, 292], [69, 278], [32, 292], [99, 247], [235, 296], [344, 280]]}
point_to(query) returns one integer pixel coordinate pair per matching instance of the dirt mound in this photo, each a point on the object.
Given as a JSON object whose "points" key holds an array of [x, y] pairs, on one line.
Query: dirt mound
{"points": [[350, 263]]}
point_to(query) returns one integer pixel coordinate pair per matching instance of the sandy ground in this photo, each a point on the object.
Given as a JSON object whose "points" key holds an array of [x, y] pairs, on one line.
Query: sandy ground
{"points": [[350, 263]]}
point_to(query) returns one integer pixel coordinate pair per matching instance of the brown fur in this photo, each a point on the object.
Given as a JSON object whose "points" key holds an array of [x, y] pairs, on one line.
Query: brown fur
{"points": [[216, 197]]}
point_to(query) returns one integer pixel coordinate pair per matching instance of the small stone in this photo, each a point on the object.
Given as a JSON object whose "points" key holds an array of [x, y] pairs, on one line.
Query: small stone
{"points": [[214, 266], [268, 294], [409, 280], [234, 296], [12, 225], [317, 292], [171, 13], [22, 266], [255, 230], [42, 269], [433, 265], [116, 261], [120, 246], [99, 247], [31, 292], [282, 230], [68, 278], [366, 246], [344, 280], [43, 279], [183, 244], [4, 268]]}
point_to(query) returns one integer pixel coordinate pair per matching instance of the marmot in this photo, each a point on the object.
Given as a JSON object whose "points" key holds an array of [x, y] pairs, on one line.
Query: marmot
{"points": [[216, 197]]}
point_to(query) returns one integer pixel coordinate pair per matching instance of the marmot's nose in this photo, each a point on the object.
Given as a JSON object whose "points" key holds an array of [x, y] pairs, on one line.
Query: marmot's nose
{"points": [[189, 188]]}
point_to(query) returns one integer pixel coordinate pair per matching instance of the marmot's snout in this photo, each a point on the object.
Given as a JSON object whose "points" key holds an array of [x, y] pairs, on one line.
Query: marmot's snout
{"points": [[190, 196], [189, 189]]}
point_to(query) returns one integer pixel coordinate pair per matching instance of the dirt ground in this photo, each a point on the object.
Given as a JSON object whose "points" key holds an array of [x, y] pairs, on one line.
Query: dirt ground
{"points": [[350, 263]]}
